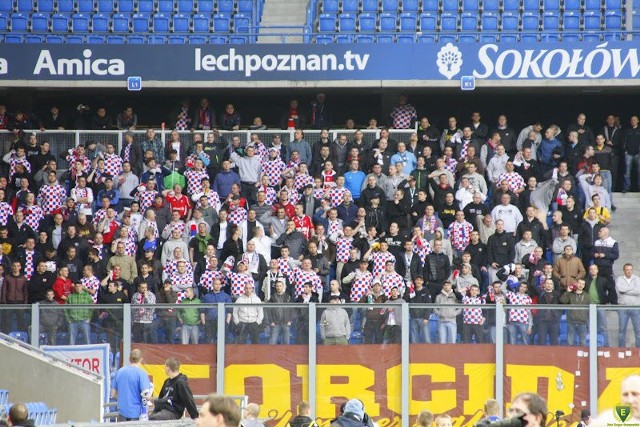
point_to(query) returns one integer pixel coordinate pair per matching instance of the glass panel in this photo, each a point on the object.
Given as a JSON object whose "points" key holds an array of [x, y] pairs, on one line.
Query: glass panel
{"points": [[15, 321]]}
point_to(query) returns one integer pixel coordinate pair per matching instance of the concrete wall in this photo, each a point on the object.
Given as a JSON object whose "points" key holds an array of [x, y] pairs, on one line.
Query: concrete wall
{"points": [[32, 377]]}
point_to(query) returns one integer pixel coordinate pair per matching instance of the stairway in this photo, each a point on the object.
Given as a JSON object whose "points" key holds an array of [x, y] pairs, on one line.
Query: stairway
{"points": [[279, 13], [625, 228]]}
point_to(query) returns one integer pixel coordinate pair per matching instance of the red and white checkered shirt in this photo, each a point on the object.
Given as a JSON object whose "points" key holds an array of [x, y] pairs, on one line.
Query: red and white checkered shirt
{"points": [[91, 283], [273, 169], [472, 316], [112, 165], [99, 216], [379, 260], [318, 193], [301, 277], [171, 267], [294, 196], [518, 315], [29, 267], [450, 165], [51, 197], [238, 281], [194, 180], [261, 151], [293, 164], [180, 226], [285, 268], [460, 234], [343, 246], [82, 193], [32, 215], [237, 216], [334, 226], [300, 181], [73, 158], [271, 195], [180, 283], [360, 285], [422, 248], [328, 179], [5, 212], [403, 116], [514, 179], [207, 278], [145, 199], [337, 196], [18, 161], [389, 280]]}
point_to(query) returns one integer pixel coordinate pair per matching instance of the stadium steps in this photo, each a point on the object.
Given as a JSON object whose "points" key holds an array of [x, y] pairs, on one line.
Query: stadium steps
{"points": [[623, 230], [282, 13]]}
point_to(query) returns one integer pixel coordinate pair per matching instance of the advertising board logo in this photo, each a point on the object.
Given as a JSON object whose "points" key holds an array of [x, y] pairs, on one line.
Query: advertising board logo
{"points": [[622, 413], [449, 61]]}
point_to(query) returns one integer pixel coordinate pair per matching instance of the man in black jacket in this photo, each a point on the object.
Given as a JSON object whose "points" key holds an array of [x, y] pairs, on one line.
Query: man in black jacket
{"points": [[605, 294], [500, 249], [408, 263], [437, 269], [420, 331], [548, 321], [175, 395]]}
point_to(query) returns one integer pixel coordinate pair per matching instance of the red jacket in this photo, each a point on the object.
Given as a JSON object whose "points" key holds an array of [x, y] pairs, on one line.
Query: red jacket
{"points": [[62, 287], [14, 290]]}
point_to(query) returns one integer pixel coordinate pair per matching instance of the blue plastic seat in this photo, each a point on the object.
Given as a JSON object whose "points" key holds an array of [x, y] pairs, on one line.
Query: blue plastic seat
{"points": [[350, 6], [490, 6], [160, 23], [467, 38], [14, 38], [370, 6], [121, 23], [330, 6], [116, 39], [592, 5], [530, 21], [347, 22], [488, 38], [237, 39], [489, 21], [245, 6], [405, 38], [388, 21], [408, 21], [145, 6], [364, 38], [591, 20], [551, 5], [59, 23], [85, 6], [469, 21], [140, 23], [156, 39], [221, 23], [74, 39], [430, 6], [196, 39], [19, 22], [205, 6], [166, 6], [447, 38], [105, 6], [385, 38], [546, 36], [180, 23], [25, 6], [95, 39], [100, 23], [80, 23], [225, 6], [326, 21], [470, 5], [136, 39], [591, 37], [40, 22], [390, 6], [572, 5], [571, 21], [324, 39], [610, 5], [6, 5], [531, 5], [410, 6], [367, 22], [511, 5], [613, 20], [201, 23], [550, 21], [177, 39], [241, 23], [448, 21], [123, 6], [218, 39], [46, 6], [65, 6], [428, 22], [450, 5], [570, 37], [185, 6], [510, 22], [19, 335], [344, 38]]}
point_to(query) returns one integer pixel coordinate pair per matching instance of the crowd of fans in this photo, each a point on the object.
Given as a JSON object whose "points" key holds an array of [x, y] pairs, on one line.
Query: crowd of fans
{"points": [[472, 214]]}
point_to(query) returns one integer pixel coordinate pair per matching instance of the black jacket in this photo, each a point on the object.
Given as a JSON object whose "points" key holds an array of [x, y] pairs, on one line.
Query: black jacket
{"points": [[606, 290], [437, 268], [500, 248], [176, 396], [415, 268]]}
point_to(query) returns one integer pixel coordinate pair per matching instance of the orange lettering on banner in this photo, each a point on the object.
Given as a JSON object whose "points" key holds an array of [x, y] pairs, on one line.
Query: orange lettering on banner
{"points": [[360, 382], [481, 386], [443, 398], [276, 385], [610, 395], [560, 383]]}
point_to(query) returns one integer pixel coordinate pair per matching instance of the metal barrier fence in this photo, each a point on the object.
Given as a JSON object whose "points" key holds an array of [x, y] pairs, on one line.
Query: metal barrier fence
{"points": [[600, 329]]}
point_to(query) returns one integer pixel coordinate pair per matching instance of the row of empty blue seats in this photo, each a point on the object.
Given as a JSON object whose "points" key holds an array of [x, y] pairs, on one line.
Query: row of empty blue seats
{"points": [[329, 6], [41, 414], [410, 22], [121, 39], [125, 23], [127, 6], [592, 37]]}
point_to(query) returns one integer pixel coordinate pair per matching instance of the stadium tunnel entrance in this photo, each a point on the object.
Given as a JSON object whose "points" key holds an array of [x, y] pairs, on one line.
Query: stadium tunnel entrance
{"points": [[522, 105]]}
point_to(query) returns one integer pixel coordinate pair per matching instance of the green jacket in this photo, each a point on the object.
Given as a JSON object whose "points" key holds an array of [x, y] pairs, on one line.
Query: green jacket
{"points": [[79, 314], [190, 316]]}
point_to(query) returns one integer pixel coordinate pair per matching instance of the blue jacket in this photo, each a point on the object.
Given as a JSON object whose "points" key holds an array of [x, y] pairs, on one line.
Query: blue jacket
{"points": [[546, 149], [347, 214], [223, 182], [303, 148], [353, 182], [211, 298]]}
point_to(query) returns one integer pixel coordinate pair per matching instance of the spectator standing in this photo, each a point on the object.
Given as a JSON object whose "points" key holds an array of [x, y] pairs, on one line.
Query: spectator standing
{"points": [[628, 289], [576, 319], [447, 316], [79, 318], [335, 327], [129, 385], [191, 318], [175, 395]]}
